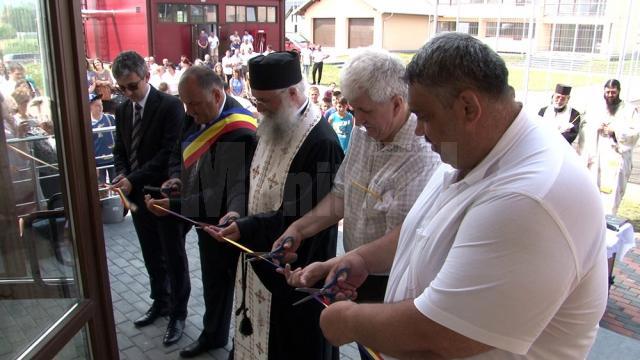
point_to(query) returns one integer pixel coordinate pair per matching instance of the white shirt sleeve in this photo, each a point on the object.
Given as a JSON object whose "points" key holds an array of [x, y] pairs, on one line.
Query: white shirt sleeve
{"points": [[506, 275]]}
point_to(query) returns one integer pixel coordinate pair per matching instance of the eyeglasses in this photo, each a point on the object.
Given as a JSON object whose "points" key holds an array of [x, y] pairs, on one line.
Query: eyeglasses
{"points": [[131, 86], [264, 101]]}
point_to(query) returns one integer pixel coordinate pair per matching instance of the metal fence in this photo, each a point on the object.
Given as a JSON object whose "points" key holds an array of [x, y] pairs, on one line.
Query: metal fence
{"points": [[28, 175], [581, 43]]}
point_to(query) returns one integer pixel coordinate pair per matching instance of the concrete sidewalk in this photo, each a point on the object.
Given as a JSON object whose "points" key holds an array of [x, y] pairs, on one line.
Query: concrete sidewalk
{"points": [[129, 290]]}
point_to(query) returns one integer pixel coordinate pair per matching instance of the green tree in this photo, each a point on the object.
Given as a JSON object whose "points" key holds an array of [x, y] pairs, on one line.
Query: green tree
{"points": [[7, 31], [21, 18], [21, 46]]}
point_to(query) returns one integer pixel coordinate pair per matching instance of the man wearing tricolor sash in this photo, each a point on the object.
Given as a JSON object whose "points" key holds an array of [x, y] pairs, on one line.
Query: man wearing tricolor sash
{"points": [[293, 168], [208, 174]]}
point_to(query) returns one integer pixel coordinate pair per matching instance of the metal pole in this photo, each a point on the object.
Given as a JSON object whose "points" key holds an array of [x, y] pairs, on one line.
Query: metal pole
{"points": [[435, 19], [527, 62], [458, 17], [624, 42], [36, 180]]}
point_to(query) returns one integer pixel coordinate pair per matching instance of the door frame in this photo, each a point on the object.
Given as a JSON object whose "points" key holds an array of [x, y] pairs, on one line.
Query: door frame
{"points": [[195, 36], [62, 22]]}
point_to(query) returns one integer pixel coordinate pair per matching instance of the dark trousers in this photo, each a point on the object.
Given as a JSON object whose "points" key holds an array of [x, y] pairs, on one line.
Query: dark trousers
{"points": [[218, 262], [317, 67], [202, 52], [294, 332], [162, 243]]}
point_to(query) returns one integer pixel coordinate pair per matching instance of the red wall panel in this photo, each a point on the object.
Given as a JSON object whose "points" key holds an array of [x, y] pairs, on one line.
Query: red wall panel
{"points": [[120, 25], [133, 25]]}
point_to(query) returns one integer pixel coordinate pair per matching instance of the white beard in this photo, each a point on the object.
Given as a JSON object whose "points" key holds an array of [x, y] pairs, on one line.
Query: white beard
{"points": [[277, 127]]}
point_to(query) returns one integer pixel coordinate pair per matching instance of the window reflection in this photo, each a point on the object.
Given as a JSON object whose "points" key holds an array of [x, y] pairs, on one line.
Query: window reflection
{"points": [[38, 279]]}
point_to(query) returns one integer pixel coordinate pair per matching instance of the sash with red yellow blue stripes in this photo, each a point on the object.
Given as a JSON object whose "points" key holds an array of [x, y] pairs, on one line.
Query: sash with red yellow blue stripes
{"points": [[229, 120]]}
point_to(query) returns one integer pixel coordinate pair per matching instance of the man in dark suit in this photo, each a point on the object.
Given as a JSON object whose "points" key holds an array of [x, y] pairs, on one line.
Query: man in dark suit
{"points": [[209, 177], [147, 126]]}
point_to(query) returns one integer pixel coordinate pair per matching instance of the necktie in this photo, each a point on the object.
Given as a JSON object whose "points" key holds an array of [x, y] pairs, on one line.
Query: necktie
{"points": [[135, 137]]}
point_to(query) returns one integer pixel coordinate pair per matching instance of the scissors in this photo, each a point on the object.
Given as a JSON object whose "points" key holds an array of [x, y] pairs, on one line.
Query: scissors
{"points": [[228, 222], [324, 294], [277, 254]]}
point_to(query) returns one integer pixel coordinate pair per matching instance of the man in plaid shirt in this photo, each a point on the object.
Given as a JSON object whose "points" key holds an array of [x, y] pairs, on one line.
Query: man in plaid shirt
{"points": [[384, 172]]}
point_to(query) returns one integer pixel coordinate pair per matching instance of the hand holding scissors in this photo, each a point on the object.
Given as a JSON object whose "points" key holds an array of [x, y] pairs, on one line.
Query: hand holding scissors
{"points": [[347, 284], [288, 243], [276, 255], [122, 183], [326, 294]]}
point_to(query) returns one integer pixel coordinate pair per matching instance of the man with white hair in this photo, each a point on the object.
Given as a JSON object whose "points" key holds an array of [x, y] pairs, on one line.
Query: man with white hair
{"points": [[385, 170], [560, 116], [503, 255], [295, 162]]}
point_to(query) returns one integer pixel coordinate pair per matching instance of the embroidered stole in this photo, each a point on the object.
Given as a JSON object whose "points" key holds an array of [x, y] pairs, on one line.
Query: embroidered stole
{"points": [[560, 121], [269, 171]]}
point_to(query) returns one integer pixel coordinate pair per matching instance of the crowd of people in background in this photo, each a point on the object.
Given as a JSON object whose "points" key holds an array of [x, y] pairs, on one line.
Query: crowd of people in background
{"points": [[27, 115], [21, 96]]}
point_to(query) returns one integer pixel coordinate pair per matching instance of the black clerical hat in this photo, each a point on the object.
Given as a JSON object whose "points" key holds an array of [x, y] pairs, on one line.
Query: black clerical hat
{"points": [[277, 70], [563, 89]]}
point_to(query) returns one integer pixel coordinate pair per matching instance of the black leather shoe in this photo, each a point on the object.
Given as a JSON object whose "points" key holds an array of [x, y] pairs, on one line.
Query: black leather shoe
{"points": [[196, 348], [174, 331], [151, 315]]}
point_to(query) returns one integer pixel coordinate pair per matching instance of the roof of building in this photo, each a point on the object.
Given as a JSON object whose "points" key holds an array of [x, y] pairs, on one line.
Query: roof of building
{"points": [[409, 7]]}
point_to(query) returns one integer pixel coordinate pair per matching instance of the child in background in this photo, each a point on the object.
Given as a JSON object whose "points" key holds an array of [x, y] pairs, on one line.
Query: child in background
{"points": [[325, 105], [342, 123], [336, 96], [236, 83]]}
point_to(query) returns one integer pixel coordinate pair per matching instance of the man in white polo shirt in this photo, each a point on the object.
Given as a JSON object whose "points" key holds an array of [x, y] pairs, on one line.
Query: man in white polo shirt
{"points": [[502, 256]]}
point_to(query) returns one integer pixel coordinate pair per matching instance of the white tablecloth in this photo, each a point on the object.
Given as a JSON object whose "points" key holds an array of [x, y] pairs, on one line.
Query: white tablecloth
{"points": [[620, 242]]}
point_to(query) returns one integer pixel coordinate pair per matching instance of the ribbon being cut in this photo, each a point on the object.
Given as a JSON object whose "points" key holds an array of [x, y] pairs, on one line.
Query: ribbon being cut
{"points": [[199, 142], [364, 350]]}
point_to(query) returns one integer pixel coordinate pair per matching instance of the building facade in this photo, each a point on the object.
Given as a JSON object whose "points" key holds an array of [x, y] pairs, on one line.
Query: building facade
{"points": [[170, 28], [602, 27]]}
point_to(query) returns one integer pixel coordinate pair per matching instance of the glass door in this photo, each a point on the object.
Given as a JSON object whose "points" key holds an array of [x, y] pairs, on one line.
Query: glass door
{"points": [[54, 291]]}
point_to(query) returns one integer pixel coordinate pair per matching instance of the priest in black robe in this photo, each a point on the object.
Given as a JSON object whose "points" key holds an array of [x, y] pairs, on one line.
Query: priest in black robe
{"points": [[560, 115], [293, 168]]}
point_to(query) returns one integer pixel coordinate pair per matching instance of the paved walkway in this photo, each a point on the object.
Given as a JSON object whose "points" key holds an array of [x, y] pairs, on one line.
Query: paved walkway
{"points": [[623, 309], [129, 289]]}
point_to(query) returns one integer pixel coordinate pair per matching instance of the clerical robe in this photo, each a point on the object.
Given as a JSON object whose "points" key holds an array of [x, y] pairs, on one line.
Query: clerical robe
{"points": [[566, 120], [610, 155], [289, 176]]}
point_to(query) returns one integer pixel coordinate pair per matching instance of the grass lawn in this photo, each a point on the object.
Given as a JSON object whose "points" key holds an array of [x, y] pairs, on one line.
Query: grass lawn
{"points": [[630, 207], [543, 80], [594, 72]]}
